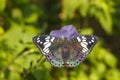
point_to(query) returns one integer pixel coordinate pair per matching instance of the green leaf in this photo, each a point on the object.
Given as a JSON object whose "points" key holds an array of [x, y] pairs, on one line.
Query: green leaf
{"points": [[42, 74], [93, 76], [105, 20], [2, 5], [12, 39], [82, 75], [17, 13], [17, 37], [83, 7], [14, 76], [32, 18], [112, 74], [102, 11], [69, 7], [110, 60], [100, 68], [1, 30], [87, 31], [32, 13]]}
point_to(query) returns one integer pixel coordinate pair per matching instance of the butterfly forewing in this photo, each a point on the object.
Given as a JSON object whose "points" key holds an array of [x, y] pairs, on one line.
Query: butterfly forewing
{"points": [[87, 42], [44, 43]]}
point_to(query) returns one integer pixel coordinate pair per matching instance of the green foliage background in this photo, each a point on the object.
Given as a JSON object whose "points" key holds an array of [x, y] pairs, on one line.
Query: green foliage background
{"points": [[20, 20]]}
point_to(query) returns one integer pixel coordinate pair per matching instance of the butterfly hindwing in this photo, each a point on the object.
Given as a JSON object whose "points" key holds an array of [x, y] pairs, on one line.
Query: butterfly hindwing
{"points": [[75, 56]]}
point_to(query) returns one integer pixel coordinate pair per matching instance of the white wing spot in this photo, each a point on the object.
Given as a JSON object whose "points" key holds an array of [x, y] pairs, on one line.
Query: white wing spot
{"points": [[83, 45], [62, 62], [79, 40], [38, 41], [67, 62], [47, 40], [83, 51], [41, 42], [45, 49], [47, 45], [92, 40], [48, 37], [52, 39], [83, 37], [89, 42], [38, 38], [84, 40]]}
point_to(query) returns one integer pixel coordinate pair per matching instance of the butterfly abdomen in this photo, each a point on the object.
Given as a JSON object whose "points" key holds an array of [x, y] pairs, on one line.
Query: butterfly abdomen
{"points": [[65, 52]]}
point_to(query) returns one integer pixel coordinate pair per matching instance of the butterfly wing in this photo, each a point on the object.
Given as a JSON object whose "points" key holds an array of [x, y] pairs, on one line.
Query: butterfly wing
{"points": [[45, 43], [79, 48], [87, 42], [50, 47]]}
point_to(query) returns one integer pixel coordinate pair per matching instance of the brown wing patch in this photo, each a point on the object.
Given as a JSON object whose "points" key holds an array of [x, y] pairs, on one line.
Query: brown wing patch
{"points": [[75, 45]]}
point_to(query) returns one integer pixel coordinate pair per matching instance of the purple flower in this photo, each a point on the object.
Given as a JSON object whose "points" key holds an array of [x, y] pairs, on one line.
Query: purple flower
{"points": [[68, 31]]}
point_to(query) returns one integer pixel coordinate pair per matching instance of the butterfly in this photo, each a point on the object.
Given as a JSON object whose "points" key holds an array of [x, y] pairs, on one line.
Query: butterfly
{"points": [[65, 52]]}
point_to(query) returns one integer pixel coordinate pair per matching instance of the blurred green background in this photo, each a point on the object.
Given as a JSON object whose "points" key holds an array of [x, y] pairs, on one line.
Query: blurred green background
{"points": [[20, 20]]}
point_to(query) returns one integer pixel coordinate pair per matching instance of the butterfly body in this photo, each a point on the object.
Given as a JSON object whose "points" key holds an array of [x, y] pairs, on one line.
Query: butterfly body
{"points": [[65, 52]]}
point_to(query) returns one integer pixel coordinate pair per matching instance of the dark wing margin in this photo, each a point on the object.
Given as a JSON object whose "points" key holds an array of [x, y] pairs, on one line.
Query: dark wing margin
{"points": [[87, 42], [43, 43], [80, 47], [49, 46]]}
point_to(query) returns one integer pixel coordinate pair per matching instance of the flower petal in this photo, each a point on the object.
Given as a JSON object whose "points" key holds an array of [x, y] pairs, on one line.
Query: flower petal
{"points": [[56, 33], [68, 31]]}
